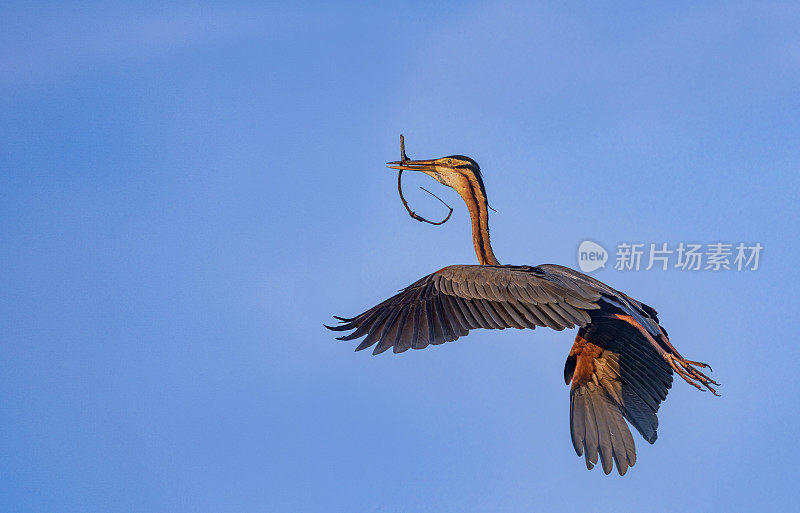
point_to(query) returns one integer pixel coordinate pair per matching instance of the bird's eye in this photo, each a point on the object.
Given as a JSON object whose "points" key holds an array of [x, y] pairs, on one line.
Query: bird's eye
{"points": [[449, 161]]}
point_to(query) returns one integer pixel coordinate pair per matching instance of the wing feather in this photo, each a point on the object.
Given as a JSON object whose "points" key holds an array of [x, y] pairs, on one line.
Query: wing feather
{"points": [[447, 304]]}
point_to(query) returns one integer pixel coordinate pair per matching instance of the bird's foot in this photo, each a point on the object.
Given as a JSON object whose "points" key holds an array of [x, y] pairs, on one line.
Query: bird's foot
{"points": [[687, 370]]}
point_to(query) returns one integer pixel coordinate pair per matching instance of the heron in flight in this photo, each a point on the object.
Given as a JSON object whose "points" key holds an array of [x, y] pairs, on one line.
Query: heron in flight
{"points": [[620, 366]]}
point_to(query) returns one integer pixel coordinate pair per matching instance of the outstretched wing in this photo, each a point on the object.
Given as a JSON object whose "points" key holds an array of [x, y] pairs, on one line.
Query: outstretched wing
{"points": [[616, 374], [445, 305]]}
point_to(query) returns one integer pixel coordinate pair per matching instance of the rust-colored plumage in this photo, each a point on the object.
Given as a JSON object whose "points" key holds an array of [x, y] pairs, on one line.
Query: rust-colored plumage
{"points": [[620, 365]]}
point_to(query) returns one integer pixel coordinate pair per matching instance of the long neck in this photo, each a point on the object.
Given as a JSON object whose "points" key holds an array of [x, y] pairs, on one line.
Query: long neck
{"points": [[476, 201]]}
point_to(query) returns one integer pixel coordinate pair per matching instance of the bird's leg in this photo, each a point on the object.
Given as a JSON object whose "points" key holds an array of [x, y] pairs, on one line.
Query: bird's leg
{"points": [[682, 367], [686, 370], [700, 364]]}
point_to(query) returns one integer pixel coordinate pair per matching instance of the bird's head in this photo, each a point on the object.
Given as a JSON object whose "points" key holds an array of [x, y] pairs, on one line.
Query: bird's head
{"points": [[456, 171]]}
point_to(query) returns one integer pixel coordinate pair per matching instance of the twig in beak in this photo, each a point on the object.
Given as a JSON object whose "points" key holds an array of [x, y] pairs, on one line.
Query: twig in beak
{"points": [[413, 214], [403, 156]]}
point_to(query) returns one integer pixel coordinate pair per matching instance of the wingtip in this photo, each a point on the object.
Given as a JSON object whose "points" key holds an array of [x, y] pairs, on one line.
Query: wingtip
{"points": [[341, 327]]}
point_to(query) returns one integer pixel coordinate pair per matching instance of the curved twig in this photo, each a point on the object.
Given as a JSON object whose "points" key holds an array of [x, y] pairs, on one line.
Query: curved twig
{"points": [[414, 214]]}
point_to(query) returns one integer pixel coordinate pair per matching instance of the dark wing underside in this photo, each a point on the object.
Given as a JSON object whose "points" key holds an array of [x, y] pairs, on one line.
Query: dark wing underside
{"points": [[616, 374], [445, 305]]}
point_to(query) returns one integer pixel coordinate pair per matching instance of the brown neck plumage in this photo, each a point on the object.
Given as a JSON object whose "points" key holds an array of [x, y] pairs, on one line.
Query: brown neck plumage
{"points": [[472, 194]]}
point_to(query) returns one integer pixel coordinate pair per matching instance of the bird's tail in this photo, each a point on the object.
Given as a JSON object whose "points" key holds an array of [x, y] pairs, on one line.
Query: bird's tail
{"points": [[598, 428], [615, 376]]}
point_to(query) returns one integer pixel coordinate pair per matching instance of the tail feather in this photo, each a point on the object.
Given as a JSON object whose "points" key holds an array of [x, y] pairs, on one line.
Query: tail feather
{"points": [[616, 376], [599, 430]]}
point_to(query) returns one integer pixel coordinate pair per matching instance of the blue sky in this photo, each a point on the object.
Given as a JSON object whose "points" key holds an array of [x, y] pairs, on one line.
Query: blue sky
{"points": [[188, 192]]}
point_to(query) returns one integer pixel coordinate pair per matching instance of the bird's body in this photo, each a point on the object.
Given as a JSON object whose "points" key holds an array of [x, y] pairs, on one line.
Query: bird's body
{"points": [[620, 365]]}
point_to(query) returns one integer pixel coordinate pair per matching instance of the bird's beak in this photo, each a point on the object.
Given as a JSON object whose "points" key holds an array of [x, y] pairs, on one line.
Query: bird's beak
{"points": [[412, 165]]}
